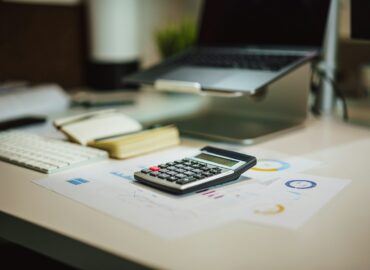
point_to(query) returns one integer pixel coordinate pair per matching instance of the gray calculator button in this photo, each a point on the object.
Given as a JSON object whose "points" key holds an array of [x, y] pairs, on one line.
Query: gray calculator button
{"points": [[171, 179]]}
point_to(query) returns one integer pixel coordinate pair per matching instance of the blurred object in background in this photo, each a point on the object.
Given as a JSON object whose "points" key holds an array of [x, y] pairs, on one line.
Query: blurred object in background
{"points": [[365, 78], [353, 55], [47, 40], [360, 20], [354, 49], [91, 98], [176, 37], [30, 101], [113, 42], [43, 42], [356, 56]]}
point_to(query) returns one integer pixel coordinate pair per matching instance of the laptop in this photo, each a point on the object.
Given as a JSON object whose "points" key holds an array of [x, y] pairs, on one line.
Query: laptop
{"points": [[243, 46]]}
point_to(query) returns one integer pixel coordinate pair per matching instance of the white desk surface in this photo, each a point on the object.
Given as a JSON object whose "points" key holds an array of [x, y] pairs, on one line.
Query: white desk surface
{"points": [[337, 237]]}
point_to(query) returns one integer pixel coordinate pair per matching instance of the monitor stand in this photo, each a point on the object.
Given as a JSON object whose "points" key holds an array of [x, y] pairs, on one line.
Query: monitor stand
{"points": [[281, 106]]}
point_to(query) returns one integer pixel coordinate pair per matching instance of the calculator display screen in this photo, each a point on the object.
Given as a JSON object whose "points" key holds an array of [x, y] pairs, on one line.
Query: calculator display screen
{"points": [[218, 160]]}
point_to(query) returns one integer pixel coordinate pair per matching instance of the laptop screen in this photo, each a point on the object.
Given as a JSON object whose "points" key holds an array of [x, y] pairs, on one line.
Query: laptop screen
{"points": [[263, 22]]}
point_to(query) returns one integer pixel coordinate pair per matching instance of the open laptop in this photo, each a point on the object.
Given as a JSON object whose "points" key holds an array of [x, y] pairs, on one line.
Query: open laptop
{"points": [[244, 45]]}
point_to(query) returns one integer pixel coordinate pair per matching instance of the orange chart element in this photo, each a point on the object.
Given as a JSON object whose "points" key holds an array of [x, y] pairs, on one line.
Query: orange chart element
{"points": [[270, 165], [269, 209]]}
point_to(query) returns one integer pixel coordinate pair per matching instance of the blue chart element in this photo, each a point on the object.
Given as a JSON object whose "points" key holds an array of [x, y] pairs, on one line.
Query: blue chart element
{"points": [[301, 184], [77, 181], [123, 176]]}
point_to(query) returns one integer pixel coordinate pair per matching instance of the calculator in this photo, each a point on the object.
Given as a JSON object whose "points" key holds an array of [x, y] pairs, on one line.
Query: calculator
{"points": [[212, 166]]}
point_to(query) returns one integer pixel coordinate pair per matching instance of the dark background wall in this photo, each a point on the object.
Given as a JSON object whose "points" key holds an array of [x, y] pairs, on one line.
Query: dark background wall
{"points": [[43, 43]]}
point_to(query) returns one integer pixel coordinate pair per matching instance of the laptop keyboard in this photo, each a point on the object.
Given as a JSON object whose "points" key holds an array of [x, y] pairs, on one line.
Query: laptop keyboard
{"points": [[241, 61]]}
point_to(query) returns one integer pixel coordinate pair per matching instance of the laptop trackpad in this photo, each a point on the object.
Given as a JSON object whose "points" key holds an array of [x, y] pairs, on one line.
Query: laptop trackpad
{"points": [[204, 76]]}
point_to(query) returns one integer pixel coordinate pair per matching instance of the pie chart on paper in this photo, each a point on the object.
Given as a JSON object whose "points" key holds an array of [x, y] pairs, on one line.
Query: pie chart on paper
{"points": [[270, 165], [268, 209]]}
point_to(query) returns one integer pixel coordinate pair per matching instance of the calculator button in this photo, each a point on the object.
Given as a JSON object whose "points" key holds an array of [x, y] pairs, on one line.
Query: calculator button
{"points": [[180, 175], [207, 174], [164, 170], [163, 175], [170, 164], [197, 171], [162, 166], [198, 176], [171, 173], [178, 161], [189, 173], [171, 168], [154, 168], [146, 171], [196, 166], [184, 181], [154, 173], [180, 166], [171, 179], [180, 170]]}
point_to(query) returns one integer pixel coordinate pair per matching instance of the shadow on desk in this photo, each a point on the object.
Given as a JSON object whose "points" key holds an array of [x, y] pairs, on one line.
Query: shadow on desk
{"points": [[32, 259]]}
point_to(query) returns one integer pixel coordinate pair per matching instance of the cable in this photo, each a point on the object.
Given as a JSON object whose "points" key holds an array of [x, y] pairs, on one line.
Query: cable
{"points": [[314, 86], [337, 90]]}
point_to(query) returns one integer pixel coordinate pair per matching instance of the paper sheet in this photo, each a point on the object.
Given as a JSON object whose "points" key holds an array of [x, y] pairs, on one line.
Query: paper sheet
{"points": [[291, 200], [271, 165], [111, 189]]}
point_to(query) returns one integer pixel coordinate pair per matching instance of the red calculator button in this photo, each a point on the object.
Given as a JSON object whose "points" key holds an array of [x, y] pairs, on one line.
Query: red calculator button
{"points": [[154, 168]]}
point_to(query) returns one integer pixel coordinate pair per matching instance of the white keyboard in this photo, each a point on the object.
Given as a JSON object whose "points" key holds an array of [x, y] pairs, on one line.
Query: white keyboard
{"points": [[44, 154]]}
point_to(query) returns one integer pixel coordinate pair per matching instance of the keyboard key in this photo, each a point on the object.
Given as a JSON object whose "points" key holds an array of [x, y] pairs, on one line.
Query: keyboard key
{"points": [[146, 171], [155, 168], [154, 173]]}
